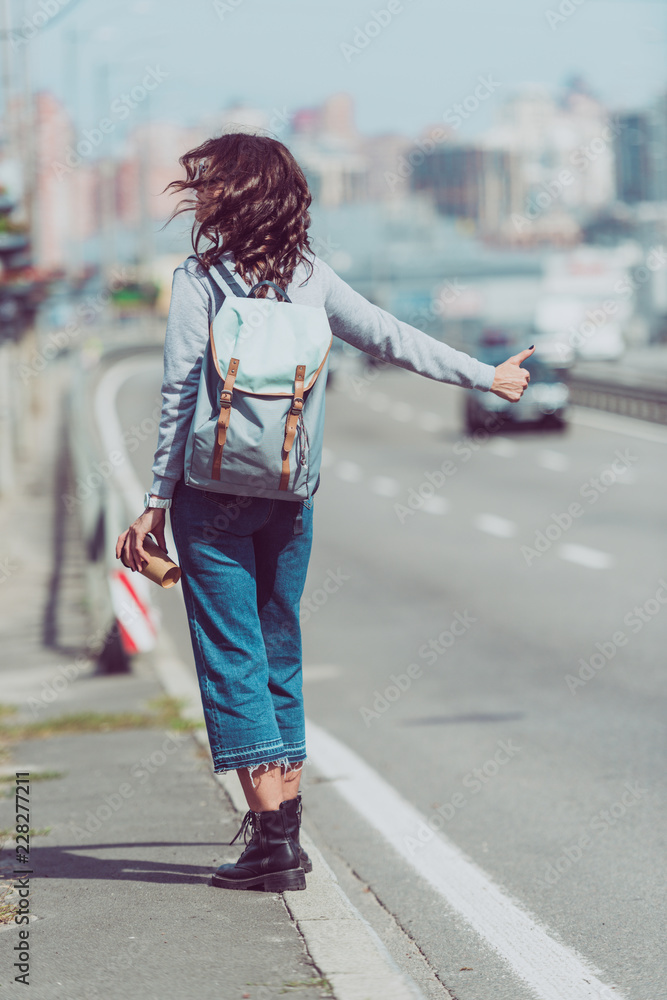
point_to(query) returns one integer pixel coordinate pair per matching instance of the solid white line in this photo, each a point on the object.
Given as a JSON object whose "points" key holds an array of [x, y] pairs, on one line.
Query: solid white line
{"points": [[110, 429], [618, 424], [581, 554], [552, 970], [340, 941], [494, 525], [344, 946]]}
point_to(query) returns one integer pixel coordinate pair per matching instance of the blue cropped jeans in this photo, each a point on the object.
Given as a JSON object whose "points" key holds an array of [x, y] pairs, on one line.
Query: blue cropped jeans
{"points": [[244, 562]]}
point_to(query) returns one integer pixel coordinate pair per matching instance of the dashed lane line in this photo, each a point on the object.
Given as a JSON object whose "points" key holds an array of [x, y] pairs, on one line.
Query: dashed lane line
{"points": [[584, 556], [402, 412], [502, 447], [385, 486], [554, 460], [435, 505], [494, 525], [430, 422], [349, 472], [490, 524], [551, 969]]}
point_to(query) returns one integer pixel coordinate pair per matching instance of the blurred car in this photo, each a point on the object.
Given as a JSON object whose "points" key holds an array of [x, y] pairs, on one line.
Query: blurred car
{"points": [[545, 400]]}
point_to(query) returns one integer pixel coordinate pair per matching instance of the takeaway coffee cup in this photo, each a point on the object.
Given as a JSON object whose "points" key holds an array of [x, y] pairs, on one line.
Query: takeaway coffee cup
{"points": [[159, 568]]}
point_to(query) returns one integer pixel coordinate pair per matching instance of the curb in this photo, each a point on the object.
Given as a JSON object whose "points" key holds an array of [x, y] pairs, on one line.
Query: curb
{"points": [[340, 941]]}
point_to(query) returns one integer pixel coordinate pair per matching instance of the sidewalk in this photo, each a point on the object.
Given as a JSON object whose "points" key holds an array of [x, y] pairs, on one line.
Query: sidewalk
{"points": [[129, 821]]}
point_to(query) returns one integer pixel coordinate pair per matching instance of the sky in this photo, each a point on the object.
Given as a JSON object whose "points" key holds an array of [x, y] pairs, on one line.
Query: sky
{"points": [[405, 62]]}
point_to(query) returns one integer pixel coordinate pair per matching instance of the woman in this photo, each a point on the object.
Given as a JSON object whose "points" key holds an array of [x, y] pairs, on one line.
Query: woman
{"points": [[244, 558]]}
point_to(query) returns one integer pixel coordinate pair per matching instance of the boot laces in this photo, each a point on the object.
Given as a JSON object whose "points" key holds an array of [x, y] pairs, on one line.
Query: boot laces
{"points": [[248, 822]]}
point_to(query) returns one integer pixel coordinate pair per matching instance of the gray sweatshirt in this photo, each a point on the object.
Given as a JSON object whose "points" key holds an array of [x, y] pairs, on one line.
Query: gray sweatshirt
{"points": [[196, 299]]}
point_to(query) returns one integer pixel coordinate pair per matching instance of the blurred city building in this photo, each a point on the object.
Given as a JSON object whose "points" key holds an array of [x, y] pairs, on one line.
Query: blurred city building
{"points": [[403, 218]]}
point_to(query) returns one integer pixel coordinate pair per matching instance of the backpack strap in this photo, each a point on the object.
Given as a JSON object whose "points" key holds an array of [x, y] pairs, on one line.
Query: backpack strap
{"points": [[219, 270], [277, 288], [292, 423], [225, 412]]}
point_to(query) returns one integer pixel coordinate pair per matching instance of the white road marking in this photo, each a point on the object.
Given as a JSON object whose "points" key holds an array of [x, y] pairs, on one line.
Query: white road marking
{"points": [[378, 402], [320, 672], [402, 412], [111, 431], [385, 486], [581, 554], [430, 422], [618, 424], [554, 460], [349, 472], [494, 525], [552, 970], [327, 458], [435, 505], [356, 960], [628, 477], [502, 447]]}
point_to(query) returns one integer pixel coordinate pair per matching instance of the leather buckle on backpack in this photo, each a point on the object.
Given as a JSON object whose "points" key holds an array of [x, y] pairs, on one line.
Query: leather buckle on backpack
{"points": [[226, 398], [297, 405]]}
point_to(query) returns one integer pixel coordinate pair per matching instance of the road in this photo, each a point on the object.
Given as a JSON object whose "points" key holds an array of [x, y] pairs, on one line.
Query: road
{"points": [[495, 651]]}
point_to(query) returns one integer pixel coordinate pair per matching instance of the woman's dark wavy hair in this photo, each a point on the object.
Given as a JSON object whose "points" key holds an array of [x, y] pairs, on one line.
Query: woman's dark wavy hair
{"points": [[253, 202]]}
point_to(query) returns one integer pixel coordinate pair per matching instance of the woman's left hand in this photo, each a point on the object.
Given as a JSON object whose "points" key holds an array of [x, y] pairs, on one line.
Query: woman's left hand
{"points": [[151, 522]]}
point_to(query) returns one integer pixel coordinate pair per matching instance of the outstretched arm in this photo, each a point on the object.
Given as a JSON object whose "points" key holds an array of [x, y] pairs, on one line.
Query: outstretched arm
{"points": [[375, 331]]}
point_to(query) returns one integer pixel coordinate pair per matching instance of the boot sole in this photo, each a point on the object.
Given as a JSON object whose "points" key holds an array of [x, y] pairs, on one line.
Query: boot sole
{"points": [[291, 880]]}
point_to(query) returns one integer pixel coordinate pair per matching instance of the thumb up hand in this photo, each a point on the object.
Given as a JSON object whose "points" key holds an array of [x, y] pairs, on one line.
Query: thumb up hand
{"points": [[511, 379]]}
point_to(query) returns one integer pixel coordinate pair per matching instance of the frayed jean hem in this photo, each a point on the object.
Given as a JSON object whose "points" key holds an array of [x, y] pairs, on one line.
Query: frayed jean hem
{"points": [[286, 756]]}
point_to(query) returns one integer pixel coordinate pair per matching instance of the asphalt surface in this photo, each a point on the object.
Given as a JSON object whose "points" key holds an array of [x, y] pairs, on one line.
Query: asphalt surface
{"points": [[533, 596]]}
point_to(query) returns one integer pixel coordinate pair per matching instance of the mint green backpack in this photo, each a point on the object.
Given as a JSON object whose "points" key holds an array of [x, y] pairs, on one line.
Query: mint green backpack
{"points": [[259, 418]]}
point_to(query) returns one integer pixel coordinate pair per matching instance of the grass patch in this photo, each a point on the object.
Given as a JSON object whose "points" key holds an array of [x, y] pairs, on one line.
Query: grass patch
{"points": [[7, 835], [7, 908], [34, 776], [7, 781], [7, 710], [164, 714]]}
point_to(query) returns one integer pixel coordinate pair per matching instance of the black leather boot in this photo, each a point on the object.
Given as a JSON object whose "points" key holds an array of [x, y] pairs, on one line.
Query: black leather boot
{"points": [[271, 858], [293, 811]]}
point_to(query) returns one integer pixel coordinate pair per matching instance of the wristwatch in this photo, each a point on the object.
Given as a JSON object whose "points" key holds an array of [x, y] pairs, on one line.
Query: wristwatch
{"points": [[151, 501]]}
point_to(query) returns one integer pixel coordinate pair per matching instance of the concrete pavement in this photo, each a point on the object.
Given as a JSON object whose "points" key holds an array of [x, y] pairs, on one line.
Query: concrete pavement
{"points": [[135, 819], [127, 819]]}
